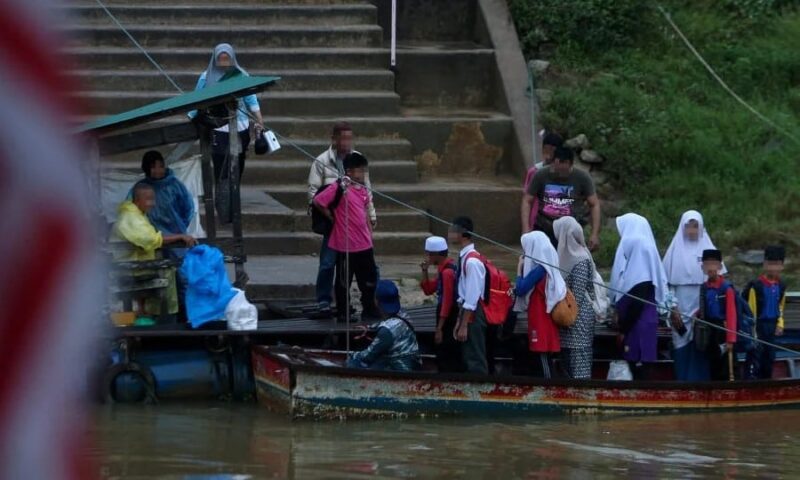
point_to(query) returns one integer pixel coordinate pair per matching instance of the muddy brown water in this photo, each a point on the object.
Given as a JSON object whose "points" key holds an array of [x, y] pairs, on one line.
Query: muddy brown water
{"points": [[239, 442]]}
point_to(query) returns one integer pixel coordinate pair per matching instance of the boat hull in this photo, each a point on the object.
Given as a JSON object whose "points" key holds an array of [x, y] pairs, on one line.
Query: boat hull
{"points": [[313, 391]]}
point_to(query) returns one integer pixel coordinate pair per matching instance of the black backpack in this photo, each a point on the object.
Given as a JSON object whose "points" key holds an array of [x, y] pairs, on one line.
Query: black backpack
{"points": [[319, 222]]}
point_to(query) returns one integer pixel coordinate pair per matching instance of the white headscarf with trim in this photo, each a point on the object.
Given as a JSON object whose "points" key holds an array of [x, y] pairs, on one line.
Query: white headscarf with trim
{"points": [[683, 261], [539, 251], [644, 249]]}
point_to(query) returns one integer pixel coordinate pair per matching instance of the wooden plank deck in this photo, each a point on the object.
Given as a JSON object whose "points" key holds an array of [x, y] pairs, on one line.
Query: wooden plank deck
{"points": [[421, 317]]}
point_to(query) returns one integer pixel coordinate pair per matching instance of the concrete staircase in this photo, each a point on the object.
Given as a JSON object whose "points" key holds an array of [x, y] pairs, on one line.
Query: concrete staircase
{"points": [[333, 61]]}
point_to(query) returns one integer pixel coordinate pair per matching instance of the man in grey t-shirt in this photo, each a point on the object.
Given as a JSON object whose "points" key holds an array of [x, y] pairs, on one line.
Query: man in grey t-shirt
{"points": [[563, 191]]}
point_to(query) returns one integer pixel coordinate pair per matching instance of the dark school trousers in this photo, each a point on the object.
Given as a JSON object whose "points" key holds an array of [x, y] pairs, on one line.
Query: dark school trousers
{"points": [[360, 265], [473, 351], [764, 353]]}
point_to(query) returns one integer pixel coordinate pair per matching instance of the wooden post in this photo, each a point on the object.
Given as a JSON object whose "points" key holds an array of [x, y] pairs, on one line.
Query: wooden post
{"points": [[208, 182], [730, 365], [235, 149]]}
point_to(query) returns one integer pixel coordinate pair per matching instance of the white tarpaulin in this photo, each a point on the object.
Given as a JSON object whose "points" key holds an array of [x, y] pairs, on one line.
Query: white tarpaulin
{"points": [[116, 183]]}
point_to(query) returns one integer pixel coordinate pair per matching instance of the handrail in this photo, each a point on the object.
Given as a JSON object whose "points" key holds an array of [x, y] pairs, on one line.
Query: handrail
{"points": [[393, 54]]}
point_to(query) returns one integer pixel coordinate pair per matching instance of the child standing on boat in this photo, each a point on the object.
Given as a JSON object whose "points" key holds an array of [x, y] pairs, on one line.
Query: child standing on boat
{"points": [[444, 286], [684, 268], [638, 284], [471, 274], [351, 236], [539, 288], [718, 307], [579, 272], [767, 298]]}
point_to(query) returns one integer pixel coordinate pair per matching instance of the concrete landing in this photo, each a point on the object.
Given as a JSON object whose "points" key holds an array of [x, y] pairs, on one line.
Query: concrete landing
{"points": [[293, 276]]}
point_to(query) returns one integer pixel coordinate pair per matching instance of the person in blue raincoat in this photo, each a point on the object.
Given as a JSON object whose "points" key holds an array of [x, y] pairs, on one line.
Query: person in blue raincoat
{"points": [[395, 345], [174, 207]]}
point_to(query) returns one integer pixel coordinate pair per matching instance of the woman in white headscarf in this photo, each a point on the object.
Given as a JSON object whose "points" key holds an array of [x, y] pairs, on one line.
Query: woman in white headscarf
{"points": [[638, 275], [223, 65], [684, 269], [539, 288], [578, 268], [628, 225]]}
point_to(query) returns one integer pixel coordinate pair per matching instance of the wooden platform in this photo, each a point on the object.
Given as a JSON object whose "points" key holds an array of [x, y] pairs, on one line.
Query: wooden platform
{"points": [[422, 318]]}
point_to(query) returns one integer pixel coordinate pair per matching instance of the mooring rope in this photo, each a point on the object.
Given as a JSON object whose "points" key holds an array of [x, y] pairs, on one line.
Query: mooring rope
{"points": [[722, 83]]}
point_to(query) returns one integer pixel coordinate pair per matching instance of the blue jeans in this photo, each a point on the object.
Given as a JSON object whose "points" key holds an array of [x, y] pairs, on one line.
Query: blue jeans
{"points": [[327, 268]]}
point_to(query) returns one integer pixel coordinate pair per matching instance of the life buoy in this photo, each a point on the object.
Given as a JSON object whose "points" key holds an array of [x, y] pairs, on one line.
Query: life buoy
{"points": [[148, 380]]}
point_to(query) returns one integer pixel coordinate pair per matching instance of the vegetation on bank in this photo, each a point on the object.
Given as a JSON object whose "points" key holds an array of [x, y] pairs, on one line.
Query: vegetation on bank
{"points": [[673, 138]]}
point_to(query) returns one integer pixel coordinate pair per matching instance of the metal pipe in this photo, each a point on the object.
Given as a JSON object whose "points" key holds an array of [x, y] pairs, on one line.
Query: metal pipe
{"points": [[393, 61]]}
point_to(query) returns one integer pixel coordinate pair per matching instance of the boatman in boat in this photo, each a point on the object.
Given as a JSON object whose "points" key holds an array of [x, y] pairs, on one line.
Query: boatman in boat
{"points": [[395, 344]]}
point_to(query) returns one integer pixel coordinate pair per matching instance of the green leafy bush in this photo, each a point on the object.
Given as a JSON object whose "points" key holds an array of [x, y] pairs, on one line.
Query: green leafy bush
{"points": [[589, 24]]}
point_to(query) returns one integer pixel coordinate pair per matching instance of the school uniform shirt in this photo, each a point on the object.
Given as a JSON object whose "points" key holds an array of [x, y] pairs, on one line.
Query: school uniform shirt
{"points": [[767, 299], [714, 310], [326, 169], [351, 232], [471, 280], [443, 286]]}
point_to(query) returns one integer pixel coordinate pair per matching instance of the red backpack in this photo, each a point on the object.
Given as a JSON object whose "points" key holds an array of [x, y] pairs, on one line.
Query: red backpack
{"points": [[496, 299]]}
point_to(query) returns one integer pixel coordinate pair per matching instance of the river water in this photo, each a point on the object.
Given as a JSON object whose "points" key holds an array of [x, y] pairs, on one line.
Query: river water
{"points": [[230, 441]]}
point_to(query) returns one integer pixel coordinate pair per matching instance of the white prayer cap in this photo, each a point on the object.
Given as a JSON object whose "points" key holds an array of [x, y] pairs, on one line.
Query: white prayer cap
{"points": [[435, 244]]}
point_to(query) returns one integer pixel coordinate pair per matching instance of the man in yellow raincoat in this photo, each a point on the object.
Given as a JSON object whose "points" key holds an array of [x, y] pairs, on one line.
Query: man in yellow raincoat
{"points": [[134, 228]]}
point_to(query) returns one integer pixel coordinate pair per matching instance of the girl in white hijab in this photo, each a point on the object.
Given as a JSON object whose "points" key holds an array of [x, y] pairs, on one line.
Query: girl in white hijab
{"points": [[683, 265], [578, 268], [539, 288], [638, 274]]}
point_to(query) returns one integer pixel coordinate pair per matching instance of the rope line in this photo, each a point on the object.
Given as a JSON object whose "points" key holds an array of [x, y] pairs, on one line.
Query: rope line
{"points": [[475, 234], [132, 39], [719, 79]]}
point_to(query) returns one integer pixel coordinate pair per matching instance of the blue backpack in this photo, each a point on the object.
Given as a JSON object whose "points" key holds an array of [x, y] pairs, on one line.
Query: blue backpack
{"points": [[744, 319]]}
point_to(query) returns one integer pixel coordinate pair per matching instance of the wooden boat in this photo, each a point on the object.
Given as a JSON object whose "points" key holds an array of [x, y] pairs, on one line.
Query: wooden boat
{"points": [[313, 384]]}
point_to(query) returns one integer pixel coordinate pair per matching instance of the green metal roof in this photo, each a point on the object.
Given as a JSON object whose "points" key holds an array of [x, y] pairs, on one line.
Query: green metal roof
{"points": [[238, 86]]}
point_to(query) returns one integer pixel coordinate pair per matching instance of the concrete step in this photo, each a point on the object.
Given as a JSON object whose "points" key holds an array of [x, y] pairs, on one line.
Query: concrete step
{"points": [[126, 58], [446, 76], [226, 15], [295, 172], [291, 80], [388, 221], [375, 149], [493, 204], [410, 126], [273, 103], [246, 36], [304, 243], [300, 221], [420, 195], [293, 276], [372, 148]]}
